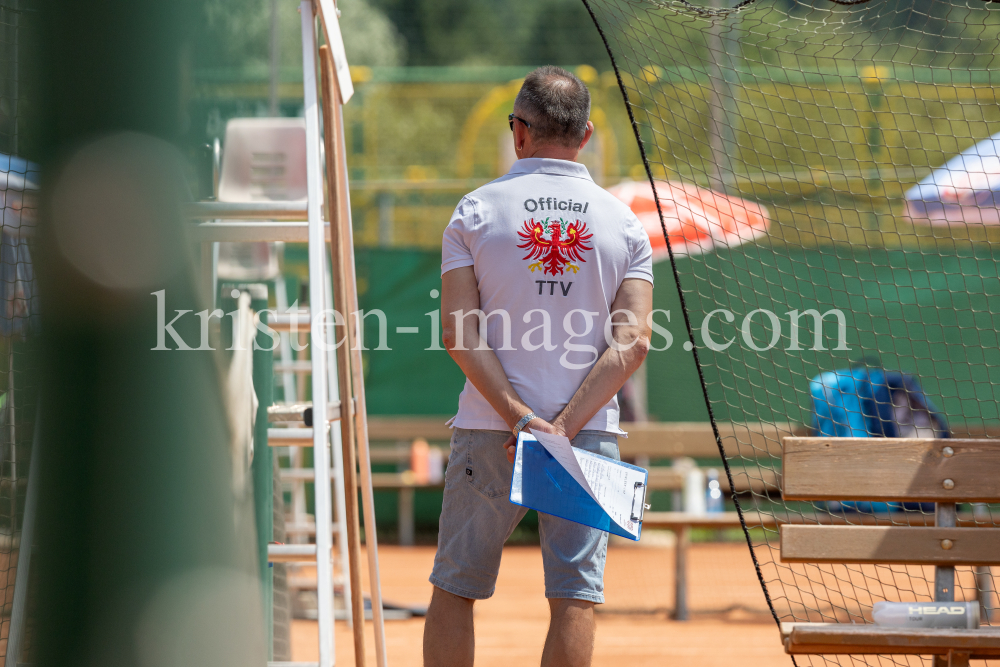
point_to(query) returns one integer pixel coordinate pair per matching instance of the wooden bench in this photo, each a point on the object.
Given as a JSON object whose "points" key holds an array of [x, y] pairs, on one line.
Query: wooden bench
{"points": [[953, 648], [943, 471], [681, 523]]}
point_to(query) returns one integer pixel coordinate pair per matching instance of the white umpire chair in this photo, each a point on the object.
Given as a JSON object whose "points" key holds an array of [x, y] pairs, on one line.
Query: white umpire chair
{"points": [[264, 160]]}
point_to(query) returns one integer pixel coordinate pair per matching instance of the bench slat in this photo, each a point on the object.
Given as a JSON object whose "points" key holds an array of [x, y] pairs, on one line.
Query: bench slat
{"points": [[890, 469], [890, 544], [843, 638], [653, 439], [673, 520]]}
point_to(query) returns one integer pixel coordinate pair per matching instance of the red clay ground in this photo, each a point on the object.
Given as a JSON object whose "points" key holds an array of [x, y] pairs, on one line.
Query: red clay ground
{"points": [[510, 627]]}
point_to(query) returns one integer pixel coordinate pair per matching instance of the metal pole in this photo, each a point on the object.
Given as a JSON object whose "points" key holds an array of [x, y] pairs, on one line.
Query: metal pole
{"points": [[216, 167], [284, 346], [12, 422], [944, 576], [275, 55], [721, 104], [20, 603], [288, 386], [317, 303], [211, 262], [405, 520], [984, 578], [945, 516], [680, 573]]}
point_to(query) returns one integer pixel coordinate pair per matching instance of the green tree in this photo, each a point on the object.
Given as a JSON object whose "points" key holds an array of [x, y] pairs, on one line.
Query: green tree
{"points": [[237, 33], [370, 38], [493, 32]]}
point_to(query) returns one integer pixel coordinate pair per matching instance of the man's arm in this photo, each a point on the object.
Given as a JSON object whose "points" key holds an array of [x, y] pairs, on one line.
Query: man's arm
{"points": [[460, 292], [631, 336]]}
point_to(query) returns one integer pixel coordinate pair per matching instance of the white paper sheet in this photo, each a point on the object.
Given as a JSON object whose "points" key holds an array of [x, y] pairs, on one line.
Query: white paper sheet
{"points": [[612, 486]]}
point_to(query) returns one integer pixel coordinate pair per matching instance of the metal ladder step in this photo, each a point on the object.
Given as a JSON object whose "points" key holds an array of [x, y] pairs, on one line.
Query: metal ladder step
{"points": [[283, 437], [283, 322], [298, 366], [291, 553], [296, 412], [301, 583], [299, 474], [307, 528]]}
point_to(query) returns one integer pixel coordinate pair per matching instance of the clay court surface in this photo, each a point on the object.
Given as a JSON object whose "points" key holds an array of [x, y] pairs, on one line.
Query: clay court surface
{"points": [[729, 623]]}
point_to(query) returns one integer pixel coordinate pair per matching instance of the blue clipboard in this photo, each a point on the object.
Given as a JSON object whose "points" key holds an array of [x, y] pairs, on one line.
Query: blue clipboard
{"points": [[540, 482]]}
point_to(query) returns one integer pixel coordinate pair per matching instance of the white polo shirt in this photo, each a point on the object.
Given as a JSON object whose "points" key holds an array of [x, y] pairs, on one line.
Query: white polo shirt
{"points": [[550, 248]]}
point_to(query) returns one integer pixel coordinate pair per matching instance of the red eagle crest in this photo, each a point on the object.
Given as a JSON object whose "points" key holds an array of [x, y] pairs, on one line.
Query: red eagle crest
{"points": [[556, 253]]}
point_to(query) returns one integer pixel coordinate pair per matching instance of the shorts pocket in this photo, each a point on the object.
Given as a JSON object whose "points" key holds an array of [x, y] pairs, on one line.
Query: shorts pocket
{"points": [[454, 474], [487, 469]]}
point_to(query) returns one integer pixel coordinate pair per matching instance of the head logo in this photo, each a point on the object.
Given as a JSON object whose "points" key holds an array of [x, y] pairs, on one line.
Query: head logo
{"points": [[565, 244], [933, 610]]}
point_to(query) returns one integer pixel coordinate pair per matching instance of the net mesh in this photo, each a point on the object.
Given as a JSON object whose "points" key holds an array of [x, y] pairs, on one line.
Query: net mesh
{"points": [[785, 139], [18, 300]]}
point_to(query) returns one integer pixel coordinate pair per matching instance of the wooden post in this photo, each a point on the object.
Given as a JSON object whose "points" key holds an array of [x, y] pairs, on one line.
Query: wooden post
{"points": [[335, 130], [358, 380], [338, 249]]}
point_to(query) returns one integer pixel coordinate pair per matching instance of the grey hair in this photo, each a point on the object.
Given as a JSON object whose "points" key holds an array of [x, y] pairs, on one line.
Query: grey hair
{"points": [[556, 103]]}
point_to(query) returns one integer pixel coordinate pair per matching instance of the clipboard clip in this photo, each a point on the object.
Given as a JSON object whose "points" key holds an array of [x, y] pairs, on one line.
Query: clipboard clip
{"points": [[642, 501]]}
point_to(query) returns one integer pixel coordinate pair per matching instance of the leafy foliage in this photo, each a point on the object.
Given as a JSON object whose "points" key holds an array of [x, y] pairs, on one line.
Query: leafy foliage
{"points": [[491, 32], [237, 33]]}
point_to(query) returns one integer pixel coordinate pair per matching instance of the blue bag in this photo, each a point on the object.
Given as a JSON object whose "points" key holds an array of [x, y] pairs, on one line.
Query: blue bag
{"points": [[866, 402]]}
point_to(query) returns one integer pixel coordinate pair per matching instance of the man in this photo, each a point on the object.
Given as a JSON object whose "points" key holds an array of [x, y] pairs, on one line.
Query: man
{"points": [[555, 275]]}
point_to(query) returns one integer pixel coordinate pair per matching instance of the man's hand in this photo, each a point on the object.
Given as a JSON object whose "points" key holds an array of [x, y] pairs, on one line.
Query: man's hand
{"points": [[536, 424], [606, 377]]}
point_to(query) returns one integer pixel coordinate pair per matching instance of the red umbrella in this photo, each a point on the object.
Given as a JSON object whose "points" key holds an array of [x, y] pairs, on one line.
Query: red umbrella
{"points": [[698, 220]]}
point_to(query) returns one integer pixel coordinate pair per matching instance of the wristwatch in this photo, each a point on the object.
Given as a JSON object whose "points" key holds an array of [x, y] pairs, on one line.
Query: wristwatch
{"points": [[519, 426]]}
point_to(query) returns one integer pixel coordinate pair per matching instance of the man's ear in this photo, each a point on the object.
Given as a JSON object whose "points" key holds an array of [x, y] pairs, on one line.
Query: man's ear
{"points": [[520, 135], [587, 135]]}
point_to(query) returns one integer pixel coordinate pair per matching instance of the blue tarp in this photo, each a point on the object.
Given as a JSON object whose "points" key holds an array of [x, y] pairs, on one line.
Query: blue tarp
{"points": [[865, 402]]}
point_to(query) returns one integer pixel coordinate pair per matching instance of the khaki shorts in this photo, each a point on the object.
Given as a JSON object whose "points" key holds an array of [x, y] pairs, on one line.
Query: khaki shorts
{"points": [[478, 517]]}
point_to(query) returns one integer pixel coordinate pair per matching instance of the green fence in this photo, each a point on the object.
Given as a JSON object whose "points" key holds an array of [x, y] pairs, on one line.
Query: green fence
{"points": [[903, 297]]}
